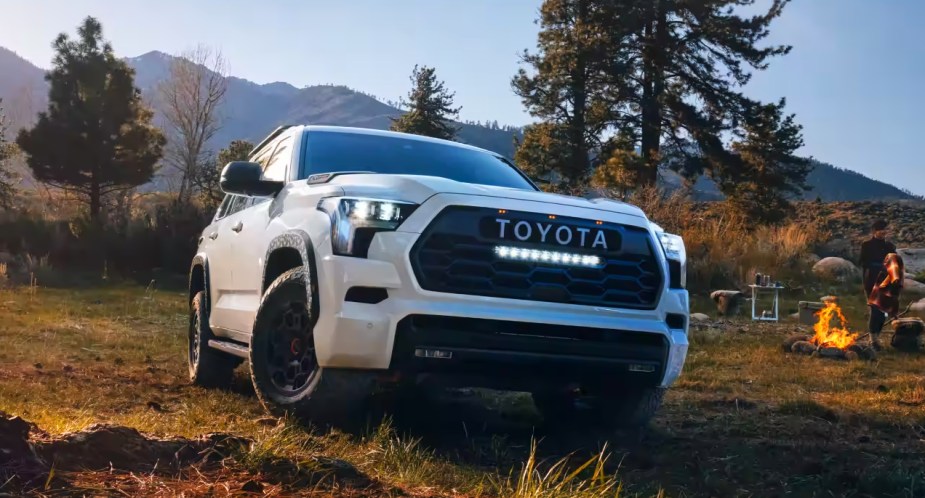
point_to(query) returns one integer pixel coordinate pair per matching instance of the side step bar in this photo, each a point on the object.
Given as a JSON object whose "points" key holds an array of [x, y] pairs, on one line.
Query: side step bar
{"points": [[231, 348]]}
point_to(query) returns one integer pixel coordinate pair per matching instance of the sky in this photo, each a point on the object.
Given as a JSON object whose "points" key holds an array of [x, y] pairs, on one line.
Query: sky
{"points": [[853, 77]]}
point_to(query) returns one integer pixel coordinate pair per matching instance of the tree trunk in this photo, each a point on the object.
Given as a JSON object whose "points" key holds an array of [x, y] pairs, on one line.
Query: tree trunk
{"points": [[655, 36], [579, 152], [95, 201]]}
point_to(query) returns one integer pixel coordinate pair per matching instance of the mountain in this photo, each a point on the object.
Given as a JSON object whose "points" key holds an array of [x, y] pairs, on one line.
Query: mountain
{"points": [[252, 110]]}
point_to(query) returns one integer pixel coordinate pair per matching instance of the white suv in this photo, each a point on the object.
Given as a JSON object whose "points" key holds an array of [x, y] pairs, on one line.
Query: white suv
{"points": [[344, 260]]}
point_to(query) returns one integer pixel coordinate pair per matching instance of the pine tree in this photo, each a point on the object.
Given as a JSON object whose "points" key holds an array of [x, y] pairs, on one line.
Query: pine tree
{"points": [[96, 137], [567, 86], [769, 171], [430, 107], [688, 63], [665, 75]]}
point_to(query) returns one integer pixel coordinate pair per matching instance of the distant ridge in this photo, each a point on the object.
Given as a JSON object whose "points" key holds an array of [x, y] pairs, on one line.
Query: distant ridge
{"points": [[252, 110]]}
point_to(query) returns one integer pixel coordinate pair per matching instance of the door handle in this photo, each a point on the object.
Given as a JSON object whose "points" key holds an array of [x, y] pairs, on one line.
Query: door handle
{"points": [[238, 226], [213, 235]]}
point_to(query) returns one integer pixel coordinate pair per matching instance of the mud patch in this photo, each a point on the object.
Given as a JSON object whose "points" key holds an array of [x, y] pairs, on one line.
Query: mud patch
{"points": [[31, 459]]}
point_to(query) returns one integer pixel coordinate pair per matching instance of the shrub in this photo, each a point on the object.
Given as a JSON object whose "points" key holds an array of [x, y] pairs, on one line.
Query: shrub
{"points": [[723, 248]]}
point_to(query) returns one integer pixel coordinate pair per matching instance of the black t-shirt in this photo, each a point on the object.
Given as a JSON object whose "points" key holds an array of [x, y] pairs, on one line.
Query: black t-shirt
{"points": [[873, 252]]}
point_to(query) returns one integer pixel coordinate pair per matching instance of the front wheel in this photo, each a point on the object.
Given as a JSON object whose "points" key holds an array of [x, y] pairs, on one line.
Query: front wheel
{"points": [[284, 367]]}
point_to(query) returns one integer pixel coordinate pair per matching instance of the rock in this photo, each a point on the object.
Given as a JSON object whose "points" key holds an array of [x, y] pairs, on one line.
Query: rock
{"points": [[913, 287], [790, 341], [728, 302], [834, 269], [918, 308], [914, 259], [863, 352], [795, 316], [832, 353], [804, 347], [700, 318]]}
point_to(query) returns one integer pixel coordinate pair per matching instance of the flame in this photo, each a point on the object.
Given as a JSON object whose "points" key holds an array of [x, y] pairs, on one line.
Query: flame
{"points": [[831, 336]]}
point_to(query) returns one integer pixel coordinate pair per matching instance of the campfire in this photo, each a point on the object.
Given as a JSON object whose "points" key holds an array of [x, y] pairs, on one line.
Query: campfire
{"points": [[831, 337]]}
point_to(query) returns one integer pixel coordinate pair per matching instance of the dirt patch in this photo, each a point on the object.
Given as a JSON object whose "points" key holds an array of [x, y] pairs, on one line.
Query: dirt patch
{"points": [[31, 459]]}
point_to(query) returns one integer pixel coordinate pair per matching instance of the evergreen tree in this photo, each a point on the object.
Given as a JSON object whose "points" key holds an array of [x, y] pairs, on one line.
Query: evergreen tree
{"points": [[567, 85], [544, 152], [689, 60], [769, 170], [96, 137], [663, 75], [7, 179], [430, 107]]}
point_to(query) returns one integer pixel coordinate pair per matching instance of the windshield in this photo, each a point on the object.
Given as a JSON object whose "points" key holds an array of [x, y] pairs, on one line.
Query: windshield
{"points": [[331, 152]]}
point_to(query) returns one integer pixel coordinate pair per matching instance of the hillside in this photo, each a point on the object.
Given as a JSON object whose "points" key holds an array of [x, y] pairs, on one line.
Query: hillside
{"points": [[252, 109]]}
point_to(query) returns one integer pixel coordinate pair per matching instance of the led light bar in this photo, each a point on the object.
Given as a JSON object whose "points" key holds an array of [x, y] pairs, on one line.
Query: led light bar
{"points": [[540, 256]]}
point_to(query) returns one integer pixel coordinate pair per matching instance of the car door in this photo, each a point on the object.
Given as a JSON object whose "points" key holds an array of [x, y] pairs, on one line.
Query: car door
{"points": [[221, 260], [251, 242]]}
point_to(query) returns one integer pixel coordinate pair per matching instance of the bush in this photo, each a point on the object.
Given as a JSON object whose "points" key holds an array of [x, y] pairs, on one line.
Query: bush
{"points": [[135, 236], [723, 249]]}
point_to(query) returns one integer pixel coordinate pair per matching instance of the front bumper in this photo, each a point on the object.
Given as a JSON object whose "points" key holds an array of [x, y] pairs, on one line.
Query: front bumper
{"points": [[375, 336]]}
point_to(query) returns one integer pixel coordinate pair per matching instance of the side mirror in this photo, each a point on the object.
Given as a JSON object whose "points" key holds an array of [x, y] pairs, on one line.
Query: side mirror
{"points": [[244, 178]]}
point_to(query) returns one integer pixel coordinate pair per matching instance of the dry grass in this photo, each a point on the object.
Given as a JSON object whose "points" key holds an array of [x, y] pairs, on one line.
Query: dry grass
{"points": [[744, 420], [725, 250]]}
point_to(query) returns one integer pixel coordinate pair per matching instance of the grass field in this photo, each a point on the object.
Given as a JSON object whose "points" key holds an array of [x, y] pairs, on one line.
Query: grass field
{"points": [[744, 420]]}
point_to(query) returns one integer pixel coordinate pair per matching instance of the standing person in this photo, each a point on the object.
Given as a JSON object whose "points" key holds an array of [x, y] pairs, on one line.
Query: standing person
{"points": [[873, 256]]}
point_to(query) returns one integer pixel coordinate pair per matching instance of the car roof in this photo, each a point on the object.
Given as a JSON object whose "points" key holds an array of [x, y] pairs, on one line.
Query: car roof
{"points": [[384, 133]]}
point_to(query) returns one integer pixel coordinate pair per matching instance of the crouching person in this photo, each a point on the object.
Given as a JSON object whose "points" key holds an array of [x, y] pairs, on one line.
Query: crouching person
{"points": [[884, 296]]}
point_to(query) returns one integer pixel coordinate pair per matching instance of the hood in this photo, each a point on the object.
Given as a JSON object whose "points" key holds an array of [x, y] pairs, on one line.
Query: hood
{"points": [[417, 189]]}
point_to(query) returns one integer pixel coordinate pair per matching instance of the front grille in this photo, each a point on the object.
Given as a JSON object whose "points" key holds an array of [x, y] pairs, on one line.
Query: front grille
{"points": [[456, 254]]}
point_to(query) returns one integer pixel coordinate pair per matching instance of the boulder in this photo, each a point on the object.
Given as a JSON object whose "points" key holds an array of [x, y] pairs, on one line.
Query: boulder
{"points": [[834, 269], [918, 308], [914, 259], [700, 318], [728, 302], [804, 347], [913, 286]]}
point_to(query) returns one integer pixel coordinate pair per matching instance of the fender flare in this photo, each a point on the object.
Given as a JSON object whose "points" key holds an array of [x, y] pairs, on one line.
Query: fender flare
{"points": [[301, 242], [200, 260]]}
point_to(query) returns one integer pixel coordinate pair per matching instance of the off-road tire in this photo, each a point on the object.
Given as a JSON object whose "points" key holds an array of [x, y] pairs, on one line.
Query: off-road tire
{"points": [[207, 367], [327, 395]]}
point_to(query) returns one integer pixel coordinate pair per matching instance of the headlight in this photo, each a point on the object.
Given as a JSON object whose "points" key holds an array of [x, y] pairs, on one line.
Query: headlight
{"points": [[675, 253], [354, 221]]}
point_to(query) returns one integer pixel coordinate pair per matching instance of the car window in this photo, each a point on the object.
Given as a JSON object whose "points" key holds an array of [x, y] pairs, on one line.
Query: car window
{"points": [[278, 164], [223, 207], [238, 202]]}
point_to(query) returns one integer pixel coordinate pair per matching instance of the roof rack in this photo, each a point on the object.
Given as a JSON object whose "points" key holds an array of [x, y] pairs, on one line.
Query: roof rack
{"points": [[271, 136]]}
